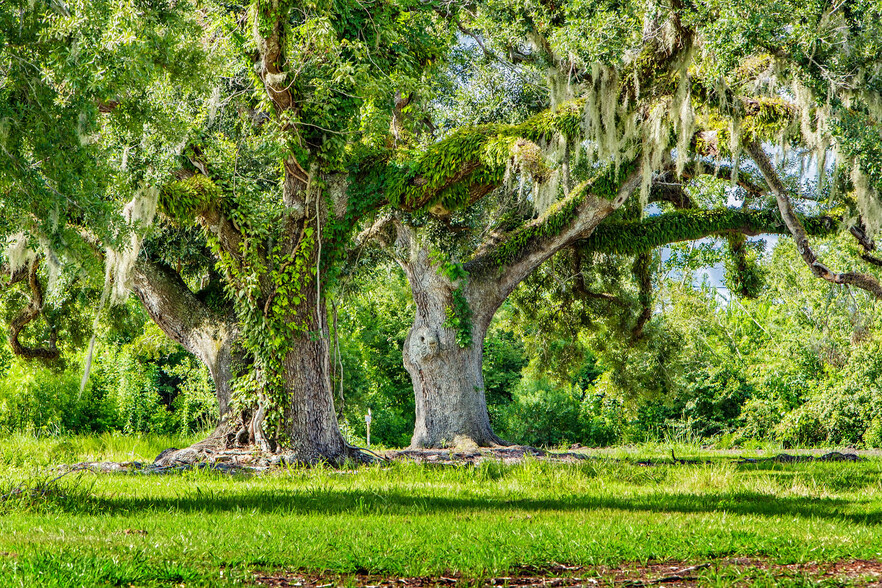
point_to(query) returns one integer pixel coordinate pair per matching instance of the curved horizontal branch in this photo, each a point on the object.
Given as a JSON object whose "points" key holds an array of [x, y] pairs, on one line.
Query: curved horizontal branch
{"points": [[27, 315], [497, 269], [670, 192], [466, 165]]}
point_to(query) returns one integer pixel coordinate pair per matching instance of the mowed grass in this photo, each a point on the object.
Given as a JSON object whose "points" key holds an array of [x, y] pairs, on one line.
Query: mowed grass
{"points": [[201, 528]]}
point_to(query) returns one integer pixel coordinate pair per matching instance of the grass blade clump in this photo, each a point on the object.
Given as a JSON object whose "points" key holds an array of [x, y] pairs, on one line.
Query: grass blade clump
{"points": [[41, 493]]}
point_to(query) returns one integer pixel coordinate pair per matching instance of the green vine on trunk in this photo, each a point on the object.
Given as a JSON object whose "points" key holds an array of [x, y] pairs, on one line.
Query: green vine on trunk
{"points": [[458, 312], [269, 283]]}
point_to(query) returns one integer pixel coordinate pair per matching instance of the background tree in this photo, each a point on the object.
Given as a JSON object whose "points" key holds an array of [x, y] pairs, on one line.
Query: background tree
{"points": [[96, 104], [675, 86]]}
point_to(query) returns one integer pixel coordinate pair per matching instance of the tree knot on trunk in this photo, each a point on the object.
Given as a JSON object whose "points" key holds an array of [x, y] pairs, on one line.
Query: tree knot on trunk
{"points": [[424, 343]]}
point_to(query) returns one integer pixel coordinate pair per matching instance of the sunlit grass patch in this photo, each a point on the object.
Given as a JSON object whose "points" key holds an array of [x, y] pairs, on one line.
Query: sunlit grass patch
{"points": [[21, 449], [47, 493], [407, 519]]}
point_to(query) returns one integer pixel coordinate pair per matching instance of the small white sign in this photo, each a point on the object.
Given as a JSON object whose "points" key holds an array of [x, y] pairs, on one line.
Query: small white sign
{"points": [[367, 419]]}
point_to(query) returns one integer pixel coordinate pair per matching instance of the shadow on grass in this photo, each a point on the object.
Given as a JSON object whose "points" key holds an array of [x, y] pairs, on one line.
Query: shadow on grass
{"points": [[359, 502]]}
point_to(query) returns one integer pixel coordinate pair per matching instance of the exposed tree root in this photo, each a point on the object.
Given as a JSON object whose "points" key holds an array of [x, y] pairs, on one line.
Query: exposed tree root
{"points": [[504, 453], [787, 458], [233, 444], [212, 453]]}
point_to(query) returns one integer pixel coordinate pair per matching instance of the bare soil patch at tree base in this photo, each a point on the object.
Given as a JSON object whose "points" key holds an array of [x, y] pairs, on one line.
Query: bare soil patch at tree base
{"points": [[504, 453], [732, 571]]}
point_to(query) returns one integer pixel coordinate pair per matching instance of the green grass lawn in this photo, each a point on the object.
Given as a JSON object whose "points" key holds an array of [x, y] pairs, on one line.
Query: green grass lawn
{"points": [[201, 528]]}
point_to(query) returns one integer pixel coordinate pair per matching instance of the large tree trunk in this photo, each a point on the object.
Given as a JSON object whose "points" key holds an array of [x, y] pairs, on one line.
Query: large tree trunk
{"points": [[309, 432], [448, 381], [448, 384], [310, 423]]}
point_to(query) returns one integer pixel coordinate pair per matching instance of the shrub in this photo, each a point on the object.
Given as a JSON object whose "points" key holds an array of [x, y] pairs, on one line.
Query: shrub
{"points": [[801, 427], [547, 414], [759, 418], [43, 401]]}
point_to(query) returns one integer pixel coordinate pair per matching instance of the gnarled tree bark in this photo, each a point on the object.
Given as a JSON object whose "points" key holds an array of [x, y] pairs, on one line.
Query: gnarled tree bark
{"points": [[451, 408], [210, 335], [448, 384]]}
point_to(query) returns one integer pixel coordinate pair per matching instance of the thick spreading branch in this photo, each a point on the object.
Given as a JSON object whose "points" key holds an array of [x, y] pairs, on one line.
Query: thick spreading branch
{"points": [[171, 303], [798, 232], [497, 269], [635, 237], [670, 192], [207, 334]]}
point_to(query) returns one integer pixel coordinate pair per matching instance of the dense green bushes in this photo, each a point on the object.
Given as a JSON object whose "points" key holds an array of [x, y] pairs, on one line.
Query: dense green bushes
{"points": [[544, 413], [125, 393], [800, 365], [45, 402], [140, 382]]}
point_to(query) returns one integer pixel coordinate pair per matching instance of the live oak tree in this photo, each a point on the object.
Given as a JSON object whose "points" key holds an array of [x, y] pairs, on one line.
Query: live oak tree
{"points": [[96, 103], [670, 90], [276, 186], [458, 289], [323, 75]]}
